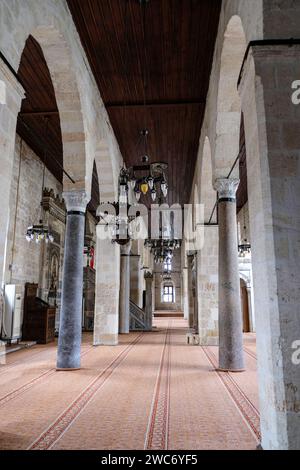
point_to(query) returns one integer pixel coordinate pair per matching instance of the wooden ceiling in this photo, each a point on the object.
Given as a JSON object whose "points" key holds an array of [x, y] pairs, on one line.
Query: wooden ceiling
{"points": [[179, 43], [175, 49]]}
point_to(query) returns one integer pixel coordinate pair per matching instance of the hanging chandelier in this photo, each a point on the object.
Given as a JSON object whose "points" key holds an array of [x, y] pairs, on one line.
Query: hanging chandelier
{"points": [[161, 249], [244, 248], [40, 232], [147, 178], [120, 220]]}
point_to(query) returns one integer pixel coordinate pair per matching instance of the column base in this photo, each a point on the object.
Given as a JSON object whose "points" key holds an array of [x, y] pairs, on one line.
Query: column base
{"points": [[68, 369], [106, 340], [230, 370]]}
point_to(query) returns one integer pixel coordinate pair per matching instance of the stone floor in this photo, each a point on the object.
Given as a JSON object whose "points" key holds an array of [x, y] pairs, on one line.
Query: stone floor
{"points": [[152, 391]]}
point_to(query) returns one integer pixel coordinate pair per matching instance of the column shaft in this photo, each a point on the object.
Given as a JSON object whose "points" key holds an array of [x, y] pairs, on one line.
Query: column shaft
{"points": [[124, 314], [230, 316], [69, 341], [149, 300]]}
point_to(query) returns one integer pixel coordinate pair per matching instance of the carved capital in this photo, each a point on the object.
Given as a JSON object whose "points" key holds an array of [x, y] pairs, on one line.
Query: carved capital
{"points": [[148, 275], [76, 200], [125, 249], [227, 188]]}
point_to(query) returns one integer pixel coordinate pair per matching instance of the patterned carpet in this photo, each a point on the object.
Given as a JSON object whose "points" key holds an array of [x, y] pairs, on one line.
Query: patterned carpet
{"points": [[152, 391]]}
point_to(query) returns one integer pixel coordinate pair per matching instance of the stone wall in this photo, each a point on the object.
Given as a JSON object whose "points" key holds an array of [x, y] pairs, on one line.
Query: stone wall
{"points": [[29, 262]]}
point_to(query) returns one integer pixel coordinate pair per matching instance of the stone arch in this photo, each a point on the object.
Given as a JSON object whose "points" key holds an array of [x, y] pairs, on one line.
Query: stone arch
{"points": [[108, 179], [228, 101], [60, 64]]}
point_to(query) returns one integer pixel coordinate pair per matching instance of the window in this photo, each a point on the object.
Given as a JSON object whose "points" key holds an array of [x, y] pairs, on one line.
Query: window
{"points": [[168, 294], [168, 265]]}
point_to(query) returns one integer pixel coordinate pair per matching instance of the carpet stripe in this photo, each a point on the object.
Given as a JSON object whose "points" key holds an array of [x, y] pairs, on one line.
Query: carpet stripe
{"points": [[158, 426], [55, 431], [246, 407]]}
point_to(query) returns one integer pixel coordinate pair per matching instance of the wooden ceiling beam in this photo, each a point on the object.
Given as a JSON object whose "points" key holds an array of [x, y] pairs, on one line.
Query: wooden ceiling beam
{"points": [[155, 104], [38, 113]]}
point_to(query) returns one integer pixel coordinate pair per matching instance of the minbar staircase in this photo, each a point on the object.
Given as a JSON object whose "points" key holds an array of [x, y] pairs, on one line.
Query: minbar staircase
{"points": [[138, 320]]}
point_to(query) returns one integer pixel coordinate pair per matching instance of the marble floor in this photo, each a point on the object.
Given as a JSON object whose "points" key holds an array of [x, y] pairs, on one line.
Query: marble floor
{"points": [[152, 391]]}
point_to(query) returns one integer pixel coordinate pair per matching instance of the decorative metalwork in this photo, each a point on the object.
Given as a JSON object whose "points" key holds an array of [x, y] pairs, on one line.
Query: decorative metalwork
{"points": [[162, 249], [244, 249], [38, 233]]}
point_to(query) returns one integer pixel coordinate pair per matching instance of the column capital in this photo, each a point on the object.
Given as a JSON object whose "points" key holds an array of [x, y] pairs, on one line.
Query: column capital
{"points": [[125, 249], [148, 275], [227, 188], [76, 200]]}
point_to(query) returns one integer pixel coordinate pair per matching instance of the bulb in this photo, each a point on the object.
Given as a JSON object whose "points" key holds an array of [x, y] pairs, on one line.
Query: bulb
{"points": [[138, 195], [150, 182], [153, 194], [165, 190], [144, 188], [163, 185], [133, 183]]}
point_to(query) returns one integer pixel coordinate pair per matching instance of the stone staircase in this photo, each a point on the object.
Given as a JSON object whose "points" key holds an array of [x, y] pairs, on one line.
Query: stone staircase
{"points": [[138, 320]]}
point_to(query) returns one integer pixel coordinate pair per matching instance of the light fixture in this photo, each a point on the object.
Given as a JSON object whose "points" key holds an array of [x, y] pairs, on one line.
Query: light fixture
{"points": [[40, 232], [137, 193], [244, 248], [144, 187]]}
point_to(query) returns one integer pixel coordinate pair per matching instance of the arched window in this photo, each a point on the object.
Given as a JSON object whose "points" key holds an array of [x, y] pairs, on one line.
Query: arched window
{"points": [[168, 293], [168, 265]]}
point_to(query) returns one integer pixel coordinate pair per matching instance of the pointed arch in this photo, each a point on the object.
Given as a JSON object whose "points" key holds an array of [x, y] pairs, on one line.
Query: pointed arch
{"points": [[228, 101]]}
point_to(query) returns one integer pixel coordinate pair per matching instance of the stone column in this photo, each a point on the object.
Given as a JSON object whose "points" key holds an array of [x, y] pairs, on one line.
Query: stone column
{"points": [[11, 96], [149, 300], [185, 297], [230, 318], [207, 287], [69, 340], [135, 279], [191, 302], [271, 117], [195, 293], [106, 318], [124, 315]]}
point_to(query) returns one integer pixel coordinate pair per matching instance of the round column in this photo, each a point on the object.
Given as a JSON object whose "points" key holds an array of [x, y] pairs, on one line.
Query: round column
{"points": [[124, 313], [149, 300], [69, 340], [231, 356]]}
